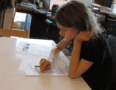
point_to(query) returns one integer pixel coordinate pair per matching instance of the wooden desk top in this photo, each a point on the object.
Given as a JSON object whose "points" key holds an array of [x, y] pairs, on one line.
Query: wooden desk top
{"points": [[12, 75]]}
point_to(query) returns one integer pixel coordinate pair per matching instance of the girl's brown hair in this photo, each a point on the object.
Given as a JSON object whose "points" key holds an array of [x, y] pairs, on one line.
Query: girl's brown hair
{"points": [[75, 14]]}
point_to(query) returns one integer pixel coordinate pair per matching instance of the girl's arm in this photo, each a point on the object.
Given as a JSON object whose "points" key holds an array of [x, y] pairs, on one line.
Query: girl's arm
{"points": [[63, 44], [77, 68], [74, 58]]}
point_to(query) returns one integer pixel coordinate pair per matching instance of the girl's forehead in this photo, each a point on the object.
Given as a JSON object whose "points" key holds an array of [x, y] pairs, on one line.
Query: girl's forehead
{"points": [[66, 28], [61, 27]]}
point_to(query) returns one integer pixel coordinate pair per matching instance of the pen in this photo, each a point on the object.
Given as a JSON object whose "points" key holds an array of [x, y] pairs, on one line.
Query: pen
{"points": [[46, 67]]}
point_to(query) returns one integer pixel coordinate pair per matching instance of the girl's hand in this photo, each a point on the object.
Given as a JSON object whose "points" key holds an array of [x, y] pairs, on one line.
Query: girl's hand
{"points": [[46, 63], [83, 36], [43, 64]]}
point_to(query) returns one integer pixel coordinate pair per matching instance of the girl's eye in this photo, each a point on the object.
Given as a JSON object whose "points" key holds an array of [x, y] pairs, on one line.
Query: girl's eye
{"points": [[64, 30]]}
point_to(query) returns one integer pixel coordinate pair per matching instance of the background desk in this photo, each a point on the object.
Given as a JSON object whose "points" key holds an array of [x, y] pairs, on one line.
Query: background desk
{"points": [[13, 78], [109, 22], [37, 26]]}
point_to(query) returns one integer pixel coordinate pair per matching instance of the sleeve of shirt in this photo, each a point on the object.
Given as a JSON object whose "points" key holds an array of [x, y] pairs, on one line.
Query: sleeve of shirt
{"points": [[94, 52]]}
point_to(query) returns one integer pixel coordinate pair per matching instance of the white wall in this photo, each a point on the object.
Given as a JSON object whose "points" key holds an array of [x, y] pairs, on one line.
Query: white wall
{"points": [[86, 2], [59, 2]]}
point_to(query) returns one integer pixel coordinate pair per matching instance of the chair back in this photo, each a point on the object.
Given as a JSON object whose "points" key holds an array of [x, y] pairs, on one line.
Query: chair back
{"points": [[18, 33]]}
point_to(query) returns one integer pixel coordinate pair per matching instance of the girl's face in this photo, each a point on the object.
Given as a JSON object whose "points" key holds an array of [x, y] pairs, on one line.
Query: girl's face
{"points": [[68, 33]]}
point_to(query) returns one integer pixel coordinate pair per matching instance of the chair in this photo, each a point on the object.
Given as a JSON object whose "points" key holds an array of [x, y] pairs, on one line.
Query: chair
{"points": [[10, 32]]}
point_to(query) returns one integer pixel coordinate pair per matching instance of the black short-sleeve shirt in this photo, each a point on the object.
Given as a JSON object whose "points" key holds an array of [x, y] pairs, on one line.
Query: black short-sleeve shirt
{"points": [[98, 75], [93, 51]]}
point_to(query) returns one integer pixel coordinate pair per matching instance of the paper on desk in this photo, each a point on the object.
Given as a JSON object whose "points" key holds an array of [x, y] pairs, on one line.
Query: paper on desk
{"points": [[36, 51], [60, 67], [33, 48]]}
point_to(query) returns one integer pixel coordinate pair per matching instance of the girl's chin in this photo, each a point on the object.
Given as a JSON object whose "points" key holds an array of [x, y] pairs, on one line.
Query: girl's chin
{"points": [[67, 38]]}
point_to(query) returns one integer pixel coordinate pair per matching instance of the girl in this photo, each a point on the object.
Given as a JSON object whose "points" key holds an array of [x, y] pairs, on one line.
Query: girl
{"points": [[90, 57]]}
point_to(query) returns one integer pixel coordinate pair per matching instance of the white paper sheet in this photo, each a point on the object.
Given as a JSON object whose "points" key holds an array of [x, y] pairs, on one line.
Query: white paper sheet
{"points": [[32, 51], [60, 66], [33, 48]]}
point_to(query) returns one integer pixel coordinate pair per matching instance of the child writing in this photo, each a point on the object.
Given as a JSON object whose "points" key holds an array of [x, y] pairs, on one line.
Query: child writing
{"points": [[79, 26]]}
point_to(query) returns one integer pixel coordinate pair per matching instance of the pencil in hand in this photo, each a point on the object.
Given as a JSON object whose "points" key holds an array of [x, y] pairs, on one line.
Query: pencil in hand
{"points": [[46, 67], [37, 68]]}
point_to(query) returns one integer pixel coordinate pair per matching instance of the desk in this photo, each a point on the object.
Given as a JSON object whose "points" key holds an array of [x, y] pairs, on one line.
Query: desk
{"points": [[38, 25], [13, 78], [108, 20]]}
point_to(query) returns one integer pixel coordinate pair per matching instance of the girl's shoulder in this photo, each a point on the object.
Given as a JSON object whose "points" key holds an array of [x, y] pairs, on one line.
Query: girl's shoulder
{"points": [[98, 41], [93, 50], [97, 46]]}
